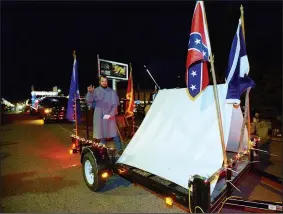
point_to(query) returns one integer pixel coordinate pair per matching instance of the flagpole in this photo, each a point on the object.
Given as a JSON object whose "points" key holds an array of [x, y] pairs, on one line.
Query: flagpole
{"points": [[98, 65], [75, 106], [133, 98], [242, 19], [216, 98], [246, 117], [247, 100]]}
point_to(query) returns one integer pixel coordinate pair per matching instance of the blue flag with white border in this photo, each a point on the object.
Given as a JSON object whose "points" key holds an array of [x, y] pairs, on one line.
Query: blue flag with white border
{"points": [[74, 94], [238, 68]]}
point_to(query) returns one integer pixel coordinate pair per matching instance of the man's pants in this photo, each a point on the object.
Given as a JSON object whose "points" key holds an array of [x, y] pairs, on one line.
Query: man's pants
{"points": [[117, 142]]}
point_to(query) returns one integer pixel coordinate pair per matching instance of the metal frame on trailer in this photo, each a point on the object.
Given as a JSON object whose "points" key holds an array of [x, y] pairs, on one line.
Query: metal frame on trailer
{"points": [[198, 187], [201, 192]]}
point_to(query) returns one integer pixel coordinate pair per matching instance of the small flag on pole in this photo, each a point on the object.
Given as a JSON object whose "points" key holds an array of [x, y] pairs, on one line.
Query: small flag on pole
{"points": [[130, 96], [198, 53], [73, 109], [238, 68]]}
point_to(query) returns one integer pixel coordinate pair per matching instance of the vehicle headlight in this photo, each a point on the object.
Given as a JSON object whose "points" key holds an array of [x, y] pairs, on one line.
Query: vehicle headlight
{"points": [[47, 110]]}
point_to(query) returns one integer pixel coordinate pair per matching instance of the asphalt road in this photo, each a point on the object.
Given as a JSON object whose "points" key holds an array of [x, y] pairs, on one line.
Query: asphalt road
{"points": [[39, 175]]}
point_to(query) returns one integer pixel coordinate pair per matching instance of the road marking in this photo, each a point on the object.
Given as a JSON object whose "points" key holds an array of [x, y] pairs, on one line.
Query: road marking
{"points": [[66, 130]]}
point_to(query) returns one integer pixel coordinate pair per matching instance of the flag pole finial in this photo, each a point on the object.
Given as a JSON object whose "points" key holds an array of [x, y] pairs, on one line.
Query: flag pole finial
{"points": [[242, 9], [74, 54], [242, 19]]}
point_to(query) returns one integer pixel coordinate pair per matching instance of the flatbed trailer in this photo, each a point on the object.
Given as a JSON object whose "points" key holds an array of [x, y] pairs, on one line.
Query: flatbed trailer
{"points": [[99, 163]]}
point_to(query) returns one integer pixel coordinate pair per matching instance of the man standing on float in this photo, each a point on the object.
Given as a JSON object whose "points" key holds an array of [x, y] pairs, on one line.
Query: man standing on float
{"points": [[106, 103]]}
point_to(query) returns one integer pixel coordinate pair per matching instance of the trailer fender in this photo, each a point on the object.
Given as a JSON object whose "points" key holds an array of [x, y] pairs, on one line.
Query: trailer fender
{"points": [[101, 163], [94, 174], [85, 151]]}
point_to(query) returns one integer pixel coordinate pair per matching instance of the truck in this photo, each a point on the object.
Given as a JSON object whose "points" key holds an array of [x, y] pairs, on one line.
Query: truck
{"points": [[36, 97]]}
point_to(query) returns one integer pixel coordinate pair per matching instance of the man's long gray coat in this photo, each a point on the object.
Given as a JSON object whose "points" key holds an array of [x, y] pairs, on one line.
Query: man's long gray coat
{"points": [[107, 102]]}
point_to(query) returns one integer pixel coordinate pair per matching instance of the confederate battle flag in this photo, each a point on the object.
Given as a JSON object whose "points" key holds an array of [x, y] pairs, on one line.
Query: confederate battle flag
{"points": [[198, 53]]}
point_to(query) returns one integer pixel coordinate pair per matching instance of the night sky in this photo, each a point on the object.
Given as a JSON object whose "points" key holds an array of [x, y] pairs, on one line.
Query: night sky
{"points": [[37, 40]]}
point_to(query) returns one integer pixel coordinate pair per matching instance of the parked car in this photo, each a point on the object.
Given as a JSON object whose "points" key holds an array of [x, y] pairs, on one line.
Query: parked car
{"points": [[53, 108]]}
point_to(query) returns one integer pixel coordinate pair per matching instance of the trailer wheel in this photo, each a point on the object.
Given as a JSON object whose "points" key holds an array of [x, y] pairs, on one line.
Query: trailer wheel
{"points": [[91, 174]]}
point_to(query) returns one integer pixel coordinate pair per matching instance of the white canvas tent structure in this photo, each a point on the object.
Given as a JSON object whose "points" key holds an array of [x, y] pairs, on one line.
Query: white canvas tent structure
{"points": [[180, 138]]}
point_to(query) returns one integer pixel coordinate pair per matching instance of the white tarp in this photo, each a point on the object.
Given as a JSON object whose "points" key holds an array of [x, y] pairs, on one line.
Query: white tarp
{"points": [[180, 138], [235, 131]]}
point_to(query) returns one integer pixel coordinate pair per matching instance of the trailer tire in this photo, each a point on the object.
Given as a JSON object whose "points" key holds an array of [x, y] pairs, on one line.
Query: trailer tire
{"points": [[91, 174]]}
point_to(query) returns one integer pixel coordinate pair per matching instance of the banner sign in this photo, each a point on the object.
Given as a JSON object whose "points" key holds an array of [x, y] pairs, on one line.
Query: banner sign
{"points": [[44, 93], [113, 70]]}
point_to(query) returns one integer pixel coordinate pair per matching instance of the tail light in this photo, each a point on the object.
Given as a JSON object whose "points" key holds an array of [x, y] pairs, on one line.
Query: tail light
{"points": [[169, 201], [105, 175]]}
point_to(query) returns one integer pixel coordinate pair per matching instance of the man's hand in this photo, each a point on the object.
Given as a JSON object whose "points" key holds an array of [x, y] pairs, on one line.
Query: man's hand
{"points": [[90, 89]]}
